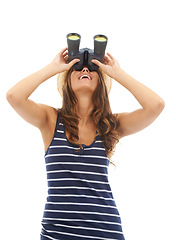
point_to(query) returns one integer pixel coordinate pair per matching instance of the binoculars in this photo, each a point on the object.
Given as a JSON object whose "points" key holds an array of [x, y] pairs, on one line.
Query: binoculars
{"points": [[86, 54]]}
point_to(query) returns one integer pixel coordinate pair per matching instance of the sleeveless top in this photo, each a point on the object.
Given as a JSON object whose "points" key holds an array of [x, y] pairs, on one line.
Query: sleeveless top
{"points": [[80, 203]]}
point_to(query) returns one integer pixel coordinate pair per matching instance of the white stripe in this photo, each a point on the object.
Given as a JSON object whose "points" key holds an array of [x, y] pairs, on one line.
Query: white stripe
{"points": [[72, 195], [94, 156], [81, 212], [78, 235], [94, 189], [96, 148], [60, 139], [95, 173], [72, 203], [74, 155], [88, 228], [76, 179], [63, 146], [62, 154], [49, 237], [60, 131], [81, 220], [78, 163]]}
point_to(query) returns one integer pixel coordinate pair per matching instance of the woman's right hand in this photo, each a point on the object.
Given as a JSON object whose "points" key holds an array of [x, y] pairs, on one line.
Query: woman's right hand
{"points": [[60, 62]]}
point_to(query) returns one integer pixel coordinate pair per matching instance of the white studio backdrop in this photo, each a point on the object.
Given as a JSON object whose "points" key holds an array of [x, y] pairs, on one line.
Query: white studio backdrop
{"points": [[141, 35]]}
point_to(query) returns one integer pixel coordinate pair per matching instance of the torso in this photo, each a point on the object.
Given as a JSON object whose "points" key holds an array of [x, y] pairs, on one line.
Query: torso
{"points": [[86, 134]]}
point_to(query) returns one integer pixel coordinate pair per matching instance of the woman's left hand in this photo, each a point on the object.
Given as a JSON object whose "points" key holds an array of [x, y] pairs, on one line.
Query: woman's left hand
{"points": [[110, 65]]}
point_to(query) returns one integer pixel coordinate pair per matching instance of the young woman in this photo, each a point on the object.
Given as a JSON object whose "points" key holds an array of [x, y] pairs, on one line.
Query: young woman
{"points": [[79, 140]]}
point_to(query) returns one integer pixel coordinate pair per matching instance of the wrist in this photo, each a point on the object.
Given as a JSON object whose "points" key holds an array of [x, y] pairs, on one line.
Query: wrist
{"points": [[52, 69], [118, 73]]}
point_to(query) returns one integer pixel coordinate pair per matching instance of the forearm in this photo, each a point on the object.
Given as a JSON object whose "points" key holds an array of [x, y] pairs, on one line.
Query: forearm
{"points": [[24, 88], [145, 96]]}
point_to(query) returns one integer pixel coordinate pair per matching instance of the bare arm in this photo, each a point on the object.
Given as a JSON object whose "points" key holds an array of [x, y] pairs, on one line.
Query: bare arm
{"points": [[18, 95], [152, 104]]}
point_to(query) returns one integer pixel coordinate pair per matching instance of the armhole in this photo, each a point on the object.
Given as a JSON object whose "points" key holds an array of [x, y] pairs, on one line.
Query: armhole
{"points": [[56, 126]]}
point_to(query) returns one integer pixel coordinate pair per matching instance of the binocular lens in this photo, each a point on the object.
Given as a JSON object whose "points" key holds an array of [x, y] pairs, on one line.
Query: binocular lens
{"points": [[73, 36], [101, 38]]}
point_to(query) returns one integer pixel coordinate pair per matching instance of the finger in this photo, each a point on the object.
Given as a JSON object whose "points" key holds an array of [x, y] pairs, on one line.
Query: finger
{"points": [[106, 59], [73, 62], [97, 62], [65, 53], [110, 56], [105, 62], [63, 50], [66, 59]]}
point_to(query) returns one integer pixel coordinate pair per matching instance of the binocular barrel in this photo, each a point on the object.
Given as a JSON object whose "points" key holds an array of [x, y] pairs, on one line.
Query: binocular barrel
{"points": [[73, 41], [100, 42]]}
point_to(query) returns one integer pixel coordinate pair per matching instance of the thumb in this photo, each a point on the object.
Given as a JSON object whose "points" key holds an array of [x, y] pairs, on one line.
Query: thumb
{"points": [[73, 62]]}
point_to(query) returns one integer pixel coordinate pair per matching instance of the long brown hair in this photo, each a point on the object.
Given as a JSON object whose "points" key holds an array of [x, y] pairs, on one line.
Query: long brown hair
{"points": [[106, 123]]}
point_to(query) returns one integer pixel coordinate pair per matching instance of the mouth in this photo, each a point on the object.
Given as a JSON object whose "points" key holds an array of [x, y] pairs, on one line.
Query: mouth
{"points": [[85, 76]]}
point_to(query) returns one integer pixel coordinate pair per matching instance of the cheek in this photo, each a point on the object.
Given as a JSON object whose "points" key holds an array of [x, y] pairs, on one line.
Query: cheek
{"points": [[72, 77], [96, 77]]}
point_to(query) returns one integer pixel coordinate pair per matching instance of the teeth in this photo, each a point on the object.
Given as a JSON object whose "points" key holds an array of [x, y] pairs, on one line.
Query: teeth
{"points": [[85, 76]]}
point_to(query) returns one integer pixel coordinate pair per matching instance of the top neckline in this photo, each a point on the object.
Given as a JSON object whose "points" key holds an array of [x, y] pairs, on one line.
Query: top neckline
{"points": [[84, 145]]}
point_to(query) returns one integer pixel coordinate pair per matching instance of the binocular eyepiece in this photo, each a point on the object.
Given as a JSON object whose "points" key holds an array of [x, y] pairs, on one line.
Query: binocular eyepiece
{"points": [[85, 54]]}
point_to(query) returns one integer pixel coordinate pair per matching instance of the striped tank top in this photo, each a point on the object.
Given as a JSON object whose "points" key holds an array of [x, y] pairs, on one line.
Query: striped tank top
{"points": [[80, 204]]}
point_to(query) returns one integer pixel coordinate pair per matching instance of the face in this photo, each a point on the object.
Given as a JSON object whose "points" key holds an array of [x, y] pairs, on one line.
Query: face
{"points": [[84, 82]]}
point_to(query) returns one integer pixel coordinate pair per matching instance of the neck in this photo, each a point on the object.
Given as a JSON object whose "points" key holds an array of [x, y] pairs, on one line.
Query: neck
{"points": [[84, 109]]}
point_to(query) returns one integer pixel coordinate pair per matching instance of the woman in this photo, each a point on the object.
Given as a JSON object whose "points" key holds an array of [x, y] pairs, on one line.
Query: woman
{"points": [[79, 140]]}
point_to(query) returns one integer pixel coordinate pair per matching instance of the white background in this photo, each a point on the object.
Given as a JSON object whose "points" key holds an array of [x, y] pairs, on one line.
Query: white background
{"points": [[141, 35]]}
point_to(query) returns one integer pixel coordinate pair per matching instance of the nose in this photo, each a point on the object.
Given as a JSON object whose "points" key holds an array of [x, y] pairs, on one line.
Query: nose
{"points": [[85, 69]]}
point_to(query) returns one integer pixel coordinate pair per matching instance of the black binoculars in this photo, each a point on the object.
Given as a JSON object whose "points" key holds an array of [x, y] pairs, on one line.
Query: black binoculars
{"points": [[85, 54]]}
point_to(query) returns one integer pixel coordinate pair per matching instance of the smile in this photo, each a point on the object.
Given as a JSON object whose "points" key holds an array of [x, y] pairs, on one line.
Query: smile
{"points": [[85, 76]]}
